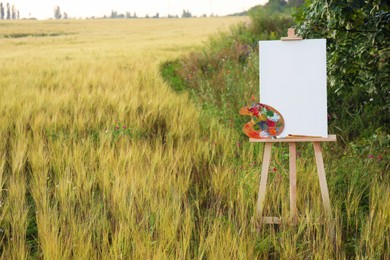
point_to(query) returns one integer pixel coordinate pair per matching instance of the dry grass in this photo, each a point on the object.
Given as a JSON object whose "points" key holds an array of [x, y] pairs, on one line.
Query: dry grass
{"points": [[100, 159]]}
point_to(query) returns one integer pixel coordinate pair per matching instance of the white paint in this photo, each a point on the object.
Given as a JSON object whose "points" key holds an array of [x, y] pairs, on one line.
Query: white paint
{"points": [[293, 81]]}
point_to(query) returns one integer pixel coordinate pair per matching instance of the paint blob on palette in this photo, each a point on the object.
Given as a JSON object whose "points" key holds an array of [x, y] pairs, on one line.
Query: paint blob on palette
{"points": [[266, 121]]}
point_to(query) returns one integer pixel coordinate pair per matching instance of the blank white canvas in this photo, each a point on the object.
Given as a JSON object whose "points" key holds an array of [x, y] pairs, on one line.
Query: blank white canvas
{"points": [[293, 81]]}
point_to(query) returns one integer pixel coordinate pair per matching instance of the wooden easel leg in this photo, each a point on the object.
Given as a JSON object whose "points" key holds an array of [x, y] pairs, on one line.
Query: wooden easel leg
{"points": [[264, 177], [293, 183], [322, 178]]}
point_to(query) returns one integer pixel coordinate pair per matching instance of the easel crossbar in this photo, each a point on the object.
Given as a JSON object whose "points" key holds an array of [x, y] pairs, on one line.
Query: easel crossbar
{"points": [[330, 138]]}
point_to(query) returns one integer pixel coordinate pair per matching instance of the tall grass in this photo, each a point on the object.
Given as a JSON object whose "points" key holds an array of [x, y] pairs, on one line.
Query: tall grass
{"points": [[101, 159], [98, 155]]}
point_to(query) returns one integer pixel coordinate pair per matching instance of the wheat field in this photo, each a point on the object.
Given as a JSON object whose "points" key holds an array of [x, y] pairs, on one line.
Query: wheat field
{"points": [[95, 147], [100, 159]]}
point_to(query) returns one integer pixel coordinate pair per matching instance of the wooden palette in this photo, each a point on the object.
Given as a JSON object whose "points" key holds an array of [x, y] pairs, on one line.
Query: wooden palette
{"points": [[266, 122]]}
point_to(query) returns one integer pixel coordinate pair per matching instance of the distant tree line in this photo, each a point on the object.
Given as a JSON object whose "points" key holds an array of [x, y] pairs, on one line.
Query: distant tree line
{"points": [[10, 13], [116, 15], [274, 5]]}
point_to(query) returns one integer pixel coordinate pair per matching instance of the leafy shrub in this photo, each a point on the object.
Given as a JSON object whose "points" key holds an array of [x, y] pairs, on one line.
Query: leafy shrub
{"points": [[357, 34]]}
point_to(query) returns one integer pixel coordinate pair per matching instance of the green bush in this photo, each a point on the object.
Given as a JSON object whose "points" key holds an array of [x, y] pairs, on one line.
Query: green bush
{"points": [[358, 50]]}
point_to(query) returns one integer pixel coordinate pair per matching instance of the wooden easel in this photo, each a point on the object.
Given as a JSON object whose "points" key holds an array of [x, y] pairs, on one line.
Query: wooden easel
{"points": [[293, 179], [292, 163]]}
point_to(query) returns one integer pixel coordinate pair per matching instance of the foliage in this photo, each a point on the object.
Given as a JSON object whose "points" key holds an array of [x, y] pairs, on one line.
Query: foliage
{"points": [[269, 27], [358, 51]]}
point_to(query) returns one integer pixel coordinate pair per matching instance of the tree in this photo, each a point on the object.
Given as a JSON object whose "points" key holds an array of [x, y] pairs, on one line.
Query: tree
{"points": [[8, 12], [358, 52], [186, 14], [1, 11], [114, 14], [65, 15], [57, 12], [13, 12]]}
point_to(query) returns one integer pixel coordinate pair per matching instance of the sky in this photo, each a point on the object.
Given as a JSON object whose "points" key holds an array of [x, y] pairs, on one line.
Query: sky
{"points": [[43, 9]]}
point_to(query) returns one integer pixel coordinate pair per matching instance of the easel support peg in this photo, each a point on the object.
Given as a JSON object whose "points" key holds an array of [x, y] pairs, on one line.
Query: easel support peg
{"points": [[291, 36]]}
